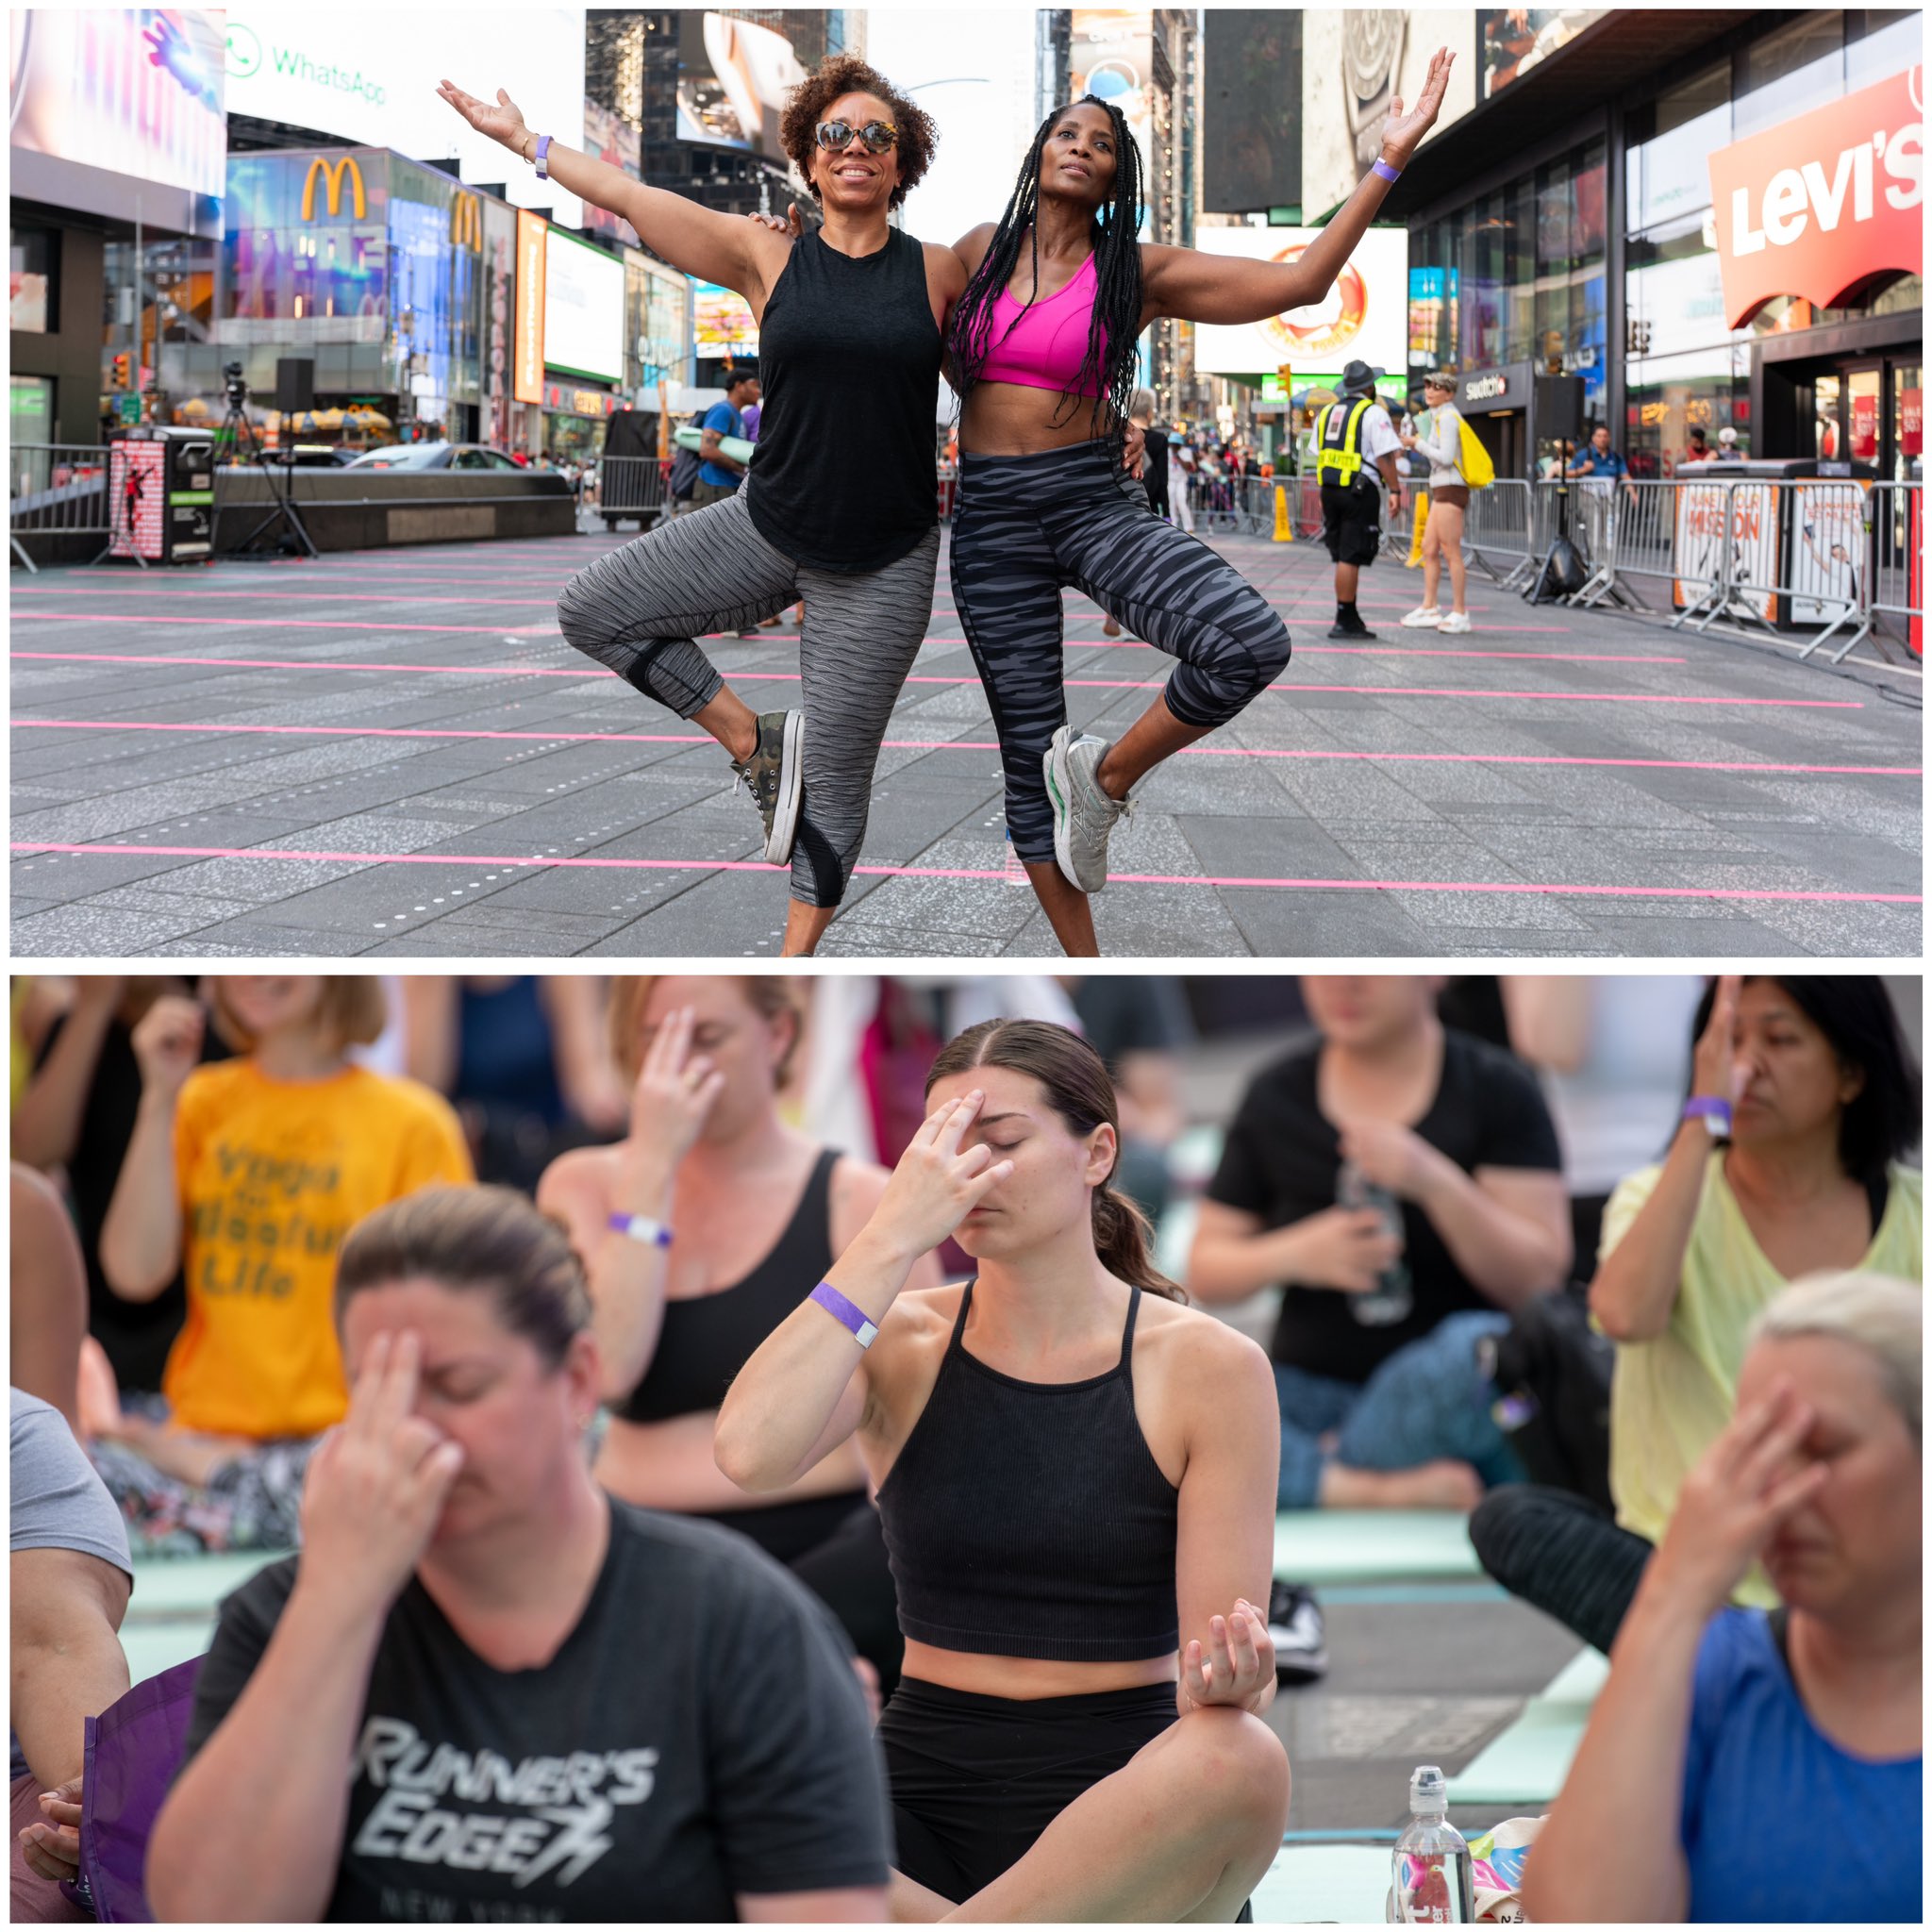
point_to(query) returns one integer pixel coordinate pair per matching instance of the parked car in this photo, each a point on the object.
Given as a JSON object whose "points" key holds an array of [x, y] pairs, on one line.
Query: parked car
{"points": [[434, 456]]}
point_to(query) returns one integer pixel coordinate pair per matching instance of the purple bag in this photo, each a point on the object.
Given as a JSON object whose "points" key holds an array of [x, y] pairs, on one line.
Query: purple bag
{"points": [[133, 1748]]}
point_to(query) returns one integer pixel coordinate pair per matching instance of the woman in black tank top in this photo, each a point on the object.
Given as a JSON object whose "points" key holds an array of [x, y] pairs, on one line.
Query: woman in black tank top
{"points": [[1076, 1479], [752, 1205]]}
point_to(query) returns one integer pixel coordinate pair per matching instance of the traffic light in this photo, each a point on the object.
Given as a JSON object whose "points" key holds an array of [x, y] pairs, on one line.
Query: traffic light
{"points": [[1287, 375], [123, 370]]}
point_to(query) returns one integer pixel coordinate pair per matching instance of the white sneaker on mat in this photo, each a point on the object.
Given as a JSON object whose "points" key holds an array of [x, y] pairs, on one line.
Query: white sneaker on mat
{"points": [[1428, 618], [1456, 623]]}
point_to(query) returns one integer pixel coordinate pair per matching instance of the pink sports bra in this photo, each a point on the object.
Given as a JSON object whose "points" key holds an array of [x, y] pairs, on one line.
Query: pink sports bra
{"points": [[1047, 347]]}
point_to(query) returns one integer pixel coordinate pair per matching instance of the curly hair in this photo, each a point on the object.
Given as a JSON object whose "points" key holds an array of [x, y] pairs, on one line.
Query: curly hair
{"points": [[846, 73]]}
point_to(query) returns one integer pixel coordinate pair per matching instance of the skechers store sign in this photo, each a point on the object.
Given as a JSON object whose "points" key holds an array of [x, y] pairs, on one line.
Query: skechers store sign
{"points": [[1824, 202]]}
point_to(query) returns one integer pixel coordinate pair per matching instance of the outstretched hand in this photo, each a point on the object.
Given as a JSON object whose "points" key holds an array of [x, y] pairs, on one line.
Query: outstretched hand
{"points": [[791, 223], [1402, 133], [503, 121]]}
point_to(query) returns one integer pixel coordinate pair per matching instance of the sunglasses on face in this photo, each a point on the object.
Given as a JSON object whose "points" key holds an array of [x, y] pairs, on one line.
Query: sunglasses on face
{"points": [[836, 136]]}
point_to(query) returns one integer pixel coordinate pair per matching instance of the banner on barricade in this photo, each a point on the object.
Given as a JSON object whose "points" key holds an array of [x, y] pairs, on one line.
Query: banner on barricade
{"points": [[1827, 549], [1697, 552]]}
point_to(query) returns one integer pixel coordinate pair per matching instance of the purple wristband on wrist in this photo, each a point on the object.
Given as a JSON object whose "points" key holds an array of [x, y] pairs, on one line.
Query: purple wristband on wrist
{"points": [[543, 157], [1383, 169], [849, 1314]]}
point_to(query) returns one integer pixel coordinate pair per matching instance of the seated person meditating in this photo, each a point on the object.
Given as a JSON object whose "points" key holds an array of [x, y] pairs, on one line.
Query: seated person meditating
{"points": [[1382, 1400]]}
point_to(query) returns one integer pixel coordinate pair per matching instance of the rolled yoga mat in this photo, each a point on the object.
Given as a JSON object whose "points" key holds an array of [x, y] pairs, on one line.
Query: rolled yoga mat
{"points": [[733, 446]]}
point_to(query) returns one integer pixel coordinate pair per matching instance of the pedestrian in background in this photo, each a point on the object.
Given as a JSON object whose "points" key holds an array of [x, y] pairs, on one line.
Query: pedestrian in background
{"points": [[1353, 442], [1438, 437]]}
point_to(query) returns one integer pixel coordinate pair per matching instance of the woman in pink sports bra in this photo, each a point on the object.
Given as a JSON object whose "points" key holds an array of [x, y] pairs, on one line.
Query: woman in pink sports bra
{"points": [[1042, 352]]}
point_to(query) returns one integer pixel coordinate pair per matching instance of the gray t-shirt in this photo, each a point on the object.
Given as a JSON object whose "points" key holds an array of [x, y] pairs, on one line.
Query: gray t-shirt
{"points": [[699, 1735], [57, 1500]]}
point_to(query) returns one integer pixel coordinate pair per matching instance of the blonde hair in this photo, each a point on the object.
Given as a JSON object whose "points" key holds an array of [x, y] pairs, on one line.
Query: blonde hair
{"points": [[768, 994], [1142, 405], [1879, 1314], [352, 1011]]}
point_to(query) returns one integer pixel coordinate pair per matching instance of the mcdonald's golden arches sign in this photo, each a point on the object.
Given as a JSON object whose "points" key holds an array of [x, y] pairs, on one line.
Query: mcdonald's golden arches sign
{"points": [[333, 174], [466, 223]]}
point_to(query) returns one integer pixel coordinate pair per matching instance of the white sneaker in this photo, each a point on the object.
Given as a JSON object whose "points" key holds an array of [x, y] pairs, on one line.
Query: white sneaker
{"points": [[1428, 618], [1456, 625]]}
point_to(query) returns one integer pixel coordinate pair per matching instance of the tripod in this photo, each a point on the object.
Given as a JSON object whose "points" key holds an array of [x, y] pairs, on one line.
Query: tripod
{"points": [[1548, 584], [242, 435]]}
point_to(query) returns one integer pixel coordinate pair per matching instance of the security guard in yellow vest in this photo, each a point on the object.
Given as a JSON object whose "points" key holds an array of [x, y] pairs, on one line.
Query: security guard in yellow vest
{"points": [[1355, 440]]}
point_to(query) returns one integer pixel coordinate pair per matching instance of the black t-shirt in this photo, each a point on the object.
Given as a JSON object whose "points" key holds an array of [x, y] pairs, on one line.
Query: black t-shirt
{"points": [[1132, 1012], [1283, 1156], [699, 1735]]}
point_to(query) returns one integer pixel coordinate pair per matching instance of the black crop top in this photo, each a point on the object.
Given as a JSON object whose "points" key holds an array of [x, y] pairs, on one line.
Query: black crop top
{"points": [[706, 1340], [1029, 1519]]}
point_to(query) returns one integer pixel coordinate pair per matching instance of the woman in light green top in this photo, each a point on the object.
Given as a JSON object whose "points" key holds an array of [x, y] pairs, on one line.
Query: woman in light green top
{"points": [[1803, 1101]]}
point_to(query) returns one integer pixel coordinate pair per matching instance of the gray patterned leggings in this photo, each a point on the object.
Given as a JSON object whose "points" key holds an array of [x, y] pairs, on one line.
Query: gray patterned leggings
{"points": [[640, 609]]}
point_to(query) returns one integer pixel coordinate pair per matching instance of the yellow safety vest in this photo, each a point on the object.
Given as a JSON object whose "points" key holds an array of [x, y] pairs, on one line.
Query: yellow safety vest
{"points": [[1342, 463]]}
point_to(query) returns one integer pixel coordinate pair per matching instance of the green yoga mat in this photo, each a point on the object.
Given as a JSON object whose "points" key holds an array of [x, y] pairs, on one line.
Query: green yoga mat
{"points": [[1365, 1545], [1318, 1885], [170, 1615], [1528, 1762], [152, 1648]]}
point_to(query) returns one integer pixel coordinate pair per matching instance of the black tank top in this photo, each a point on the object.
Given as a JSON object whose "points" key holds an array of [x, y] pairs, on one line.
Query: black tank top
{"points": [[845, 478], [1029, 1519], [707, 1339]]}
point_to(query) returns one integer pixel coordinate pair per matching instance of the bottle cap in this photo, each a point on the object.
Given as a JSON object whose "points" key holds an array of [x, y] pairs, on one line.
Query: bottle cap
{"points": [[1429, 1790]]}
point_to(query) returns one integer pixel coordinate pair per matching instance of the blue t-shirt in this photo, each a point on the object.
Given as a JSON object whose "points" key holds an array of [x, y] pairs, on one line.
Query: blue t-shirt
{"points": [[726, 422], [1778, 1823], [1592, 461]]}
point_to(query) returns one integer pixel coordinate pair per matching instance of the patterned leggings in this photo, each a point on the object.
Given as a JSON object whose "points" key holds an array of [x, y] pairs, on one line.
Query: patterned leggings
{"points": [[1029, 525], [251, 1502], [639, 611]]}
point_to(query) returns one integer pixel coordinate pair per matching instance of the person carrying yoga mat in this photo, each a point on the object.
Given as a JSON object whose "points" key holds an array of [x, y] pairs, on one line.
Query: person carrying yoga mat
{"points": [[1076, 1477], [842, 503], [1042, 354], [487, 1689], [694, 1229]]}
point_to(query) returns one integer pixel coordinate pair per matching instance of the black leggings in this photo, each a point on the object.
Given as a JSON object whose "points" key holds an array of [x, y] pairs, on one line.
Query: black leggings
{"points": [[975, 1780], [1029, 525], [1562, 1554], [834, 1546]]}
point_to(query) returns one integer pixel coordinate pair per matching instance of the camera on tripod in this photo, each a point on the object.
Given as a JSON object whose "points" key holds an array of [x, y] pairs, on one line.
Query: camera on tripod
{"points": [[235, 384]]}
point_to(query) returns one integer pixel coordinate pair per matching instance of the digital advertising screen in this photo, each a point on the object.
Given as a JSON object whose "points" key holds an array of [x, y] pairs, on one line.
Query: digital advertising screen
{"points": [[108, 107], [1364, 317], [721, 320], [732, 79], [1251, 135], [368, 76], [583, 310], [1516, 39]]}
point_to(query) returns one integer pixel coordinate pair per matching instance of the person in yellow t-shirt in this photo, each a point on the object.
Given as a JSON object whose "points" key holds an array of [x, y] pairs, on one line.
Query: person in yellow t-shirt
{"points": [[247, 1175], [1803, 1100]]}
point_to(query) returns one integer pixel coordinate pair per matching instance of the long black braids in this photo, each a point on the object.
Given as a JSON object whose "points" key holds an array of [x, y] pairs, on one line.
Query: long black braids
{"points": [[1110, 365]]}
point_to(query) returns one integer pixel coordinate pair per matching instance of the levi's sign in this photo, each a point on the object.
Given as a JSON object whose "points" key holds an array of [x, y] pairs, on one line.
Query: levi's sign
{"points": [[1823, 203]]}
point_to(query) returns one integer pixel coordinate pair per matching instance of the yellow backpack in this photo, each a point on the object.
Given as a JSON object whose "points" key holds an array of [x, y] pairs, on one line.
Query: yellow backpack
{"points": [[1473, 459]]}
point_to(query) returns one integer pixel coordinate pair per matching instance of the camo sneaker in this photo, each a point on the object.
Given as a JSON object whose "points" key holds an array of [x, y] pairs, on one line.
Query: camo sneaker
{"points": [[775, 774]]}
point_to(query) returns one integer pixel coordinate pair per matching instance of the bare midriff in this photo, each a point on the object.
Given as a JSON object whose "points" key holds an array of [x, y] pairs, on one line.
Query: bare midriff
{"points": [[670, 1465], [1010, 419], [980, 1676]]}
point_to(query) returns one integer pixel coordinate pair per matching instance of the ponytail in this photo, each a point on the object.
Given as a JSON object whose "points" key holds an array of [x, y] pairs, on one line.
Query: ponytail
{"points": [[1123, 1237]]}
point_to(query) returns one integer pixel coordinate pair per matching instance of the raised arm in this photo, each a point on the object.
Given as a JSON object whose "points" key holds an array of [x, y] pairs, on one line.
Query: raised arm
{"points": [[141, 1239], [1636, 1286], [673, 1095], [46, 1124], [715, 247], [1195, 287], [806, 1388]]}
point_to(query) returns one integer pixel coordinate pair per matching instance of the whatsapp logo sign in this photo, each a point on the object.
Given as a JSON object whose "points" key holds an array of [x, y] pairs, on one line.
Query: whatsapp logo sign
{"points": [[245, 53]]}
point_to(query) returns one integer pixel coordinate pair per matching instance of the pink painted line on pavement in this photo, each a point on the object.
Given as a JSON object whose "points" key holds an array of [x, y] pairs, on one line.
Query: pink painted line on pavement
{"points": [[493, 630], [1209, 751], [302, 596], [1384, 690], [939, 871]]}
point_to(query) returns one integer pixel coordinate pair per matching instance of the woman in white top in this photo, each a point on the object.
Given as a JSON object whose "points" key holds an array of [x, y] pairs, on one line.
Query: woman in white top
{"points": [[1441, 439]]}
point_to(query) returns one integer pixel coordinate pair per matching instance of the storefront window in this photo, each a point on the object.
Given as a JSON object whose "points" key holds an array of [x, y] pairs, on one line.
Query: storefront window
{"points": [[1666, 396], [1670, 144], [29, 425], [1877, 45], [30, 279], [1788, 72]]}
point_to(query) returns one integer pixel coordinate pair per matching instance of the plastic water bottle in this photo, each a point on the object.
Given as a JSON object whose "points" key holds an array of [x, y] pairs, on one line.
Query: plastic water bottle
{"points": [[1015, 873], [1431, 1883], [1393, 1295]]}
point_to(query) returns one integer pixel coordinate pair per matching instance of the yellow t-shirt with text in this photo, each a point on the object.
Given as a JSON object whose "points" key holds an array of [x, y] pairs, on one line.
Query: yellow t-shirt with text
{"points": [[1671, 1397], [272, 1176]]}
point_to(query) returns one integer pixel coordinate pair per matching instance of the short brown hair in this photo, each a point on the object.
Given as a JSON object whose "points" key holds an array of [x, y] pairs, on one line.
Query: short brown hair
{"points": [[1439, 378], [846, 73], [353, 1011], [768, 994]]}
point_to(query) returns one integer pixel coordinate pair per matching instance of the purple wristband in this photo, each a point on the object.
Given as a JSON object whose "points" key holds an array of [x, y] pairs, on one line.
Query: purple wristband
{"points": [[1383, 169], [641, 1228], [542, 157], [849, 1313], [1715, 1114]]}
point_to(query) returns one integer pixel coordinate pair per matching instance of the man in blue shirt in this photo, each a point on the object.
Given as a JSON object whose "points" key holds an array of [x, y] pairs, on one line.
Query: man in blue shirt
{"points": [[721, 474], [1597, 459]]}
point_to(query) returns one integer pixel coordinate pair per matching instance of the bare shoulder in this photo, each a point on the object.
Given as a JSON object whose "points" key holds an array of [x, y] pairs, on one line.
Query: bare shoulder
{"points": [[856, 1188], [921, 1316], [944, 268], [580, 1177], [1197, 1347], [970, 249]]}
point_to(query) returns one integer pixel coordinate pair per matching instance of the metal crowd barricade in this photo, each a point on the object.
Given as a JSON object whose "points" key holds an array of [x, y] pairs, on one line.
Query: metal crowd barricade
{"points": [[629, 486], [1498, 530], [1896, 561], [56, 489]]}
